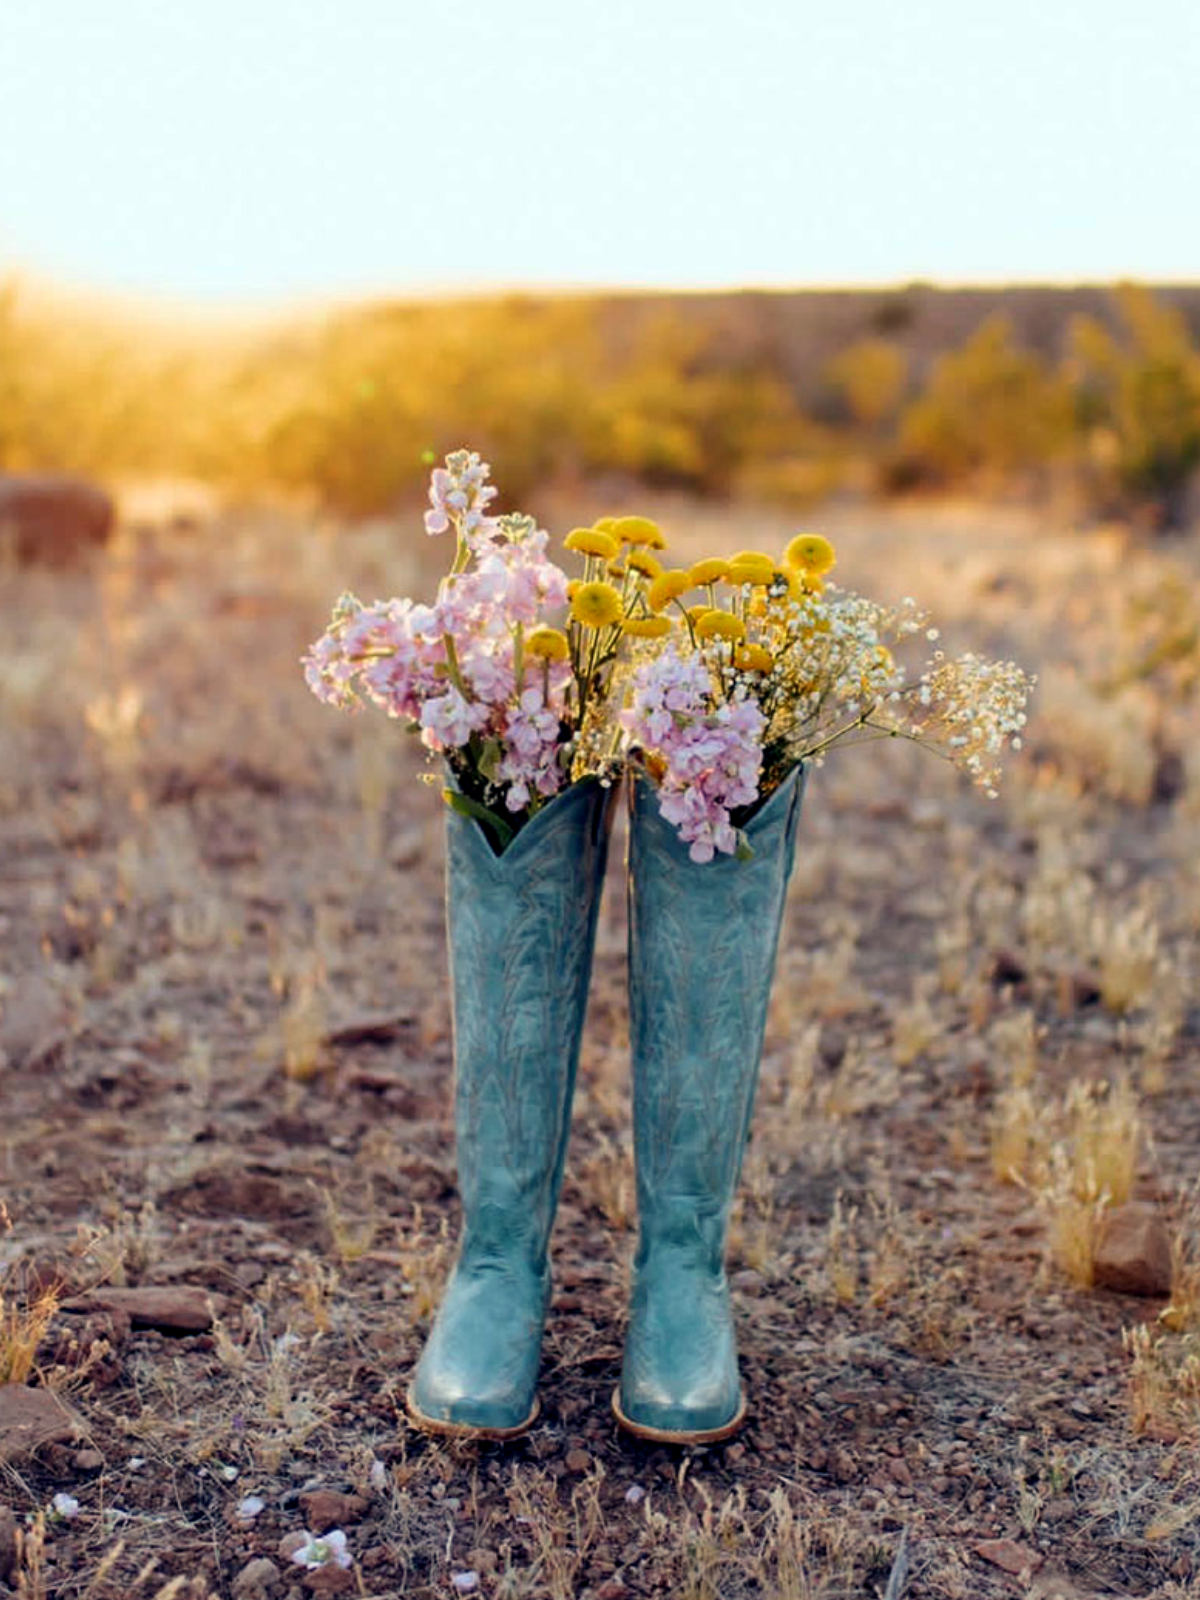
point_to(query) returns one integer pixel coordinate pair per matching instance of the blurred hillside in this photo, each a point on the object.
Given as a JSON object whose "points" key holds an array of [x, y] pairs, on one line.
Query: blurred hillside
{"points": [[1088, 393]]}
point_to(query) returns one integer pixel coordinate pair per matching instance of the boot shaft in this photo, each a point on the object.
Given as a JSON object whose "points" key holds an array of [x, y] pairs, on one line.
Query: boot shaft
{"points": [[702, 944], [521, 929]]}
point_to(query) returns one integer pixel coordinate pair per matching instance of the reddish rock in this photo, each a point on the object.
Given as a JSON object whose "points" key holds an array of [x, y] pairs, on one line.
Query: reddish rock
{"points": [[54, 520], [330, 1580], [1009, 1556], [1133, 1255], [257, 1579], [31, 1418], [179, 1308], [329, 1508]]}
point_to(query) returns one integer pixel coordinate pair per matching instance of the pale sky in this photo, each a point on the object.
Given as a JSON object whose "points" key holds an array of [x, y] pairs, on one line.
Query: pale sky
{"points": [[229, 151]]}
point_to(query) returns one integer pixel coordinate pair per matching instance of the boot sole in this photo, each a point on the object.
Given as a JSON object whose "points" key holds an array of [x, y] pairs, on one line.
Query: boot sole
{"points": [[679, 1435], [465, 1430]]}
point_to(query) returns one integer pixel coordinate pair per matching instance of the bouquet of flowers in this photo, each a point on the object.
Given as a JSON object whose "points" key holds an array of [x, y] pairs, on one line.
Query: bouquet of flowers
{"points": [[716, 679]]}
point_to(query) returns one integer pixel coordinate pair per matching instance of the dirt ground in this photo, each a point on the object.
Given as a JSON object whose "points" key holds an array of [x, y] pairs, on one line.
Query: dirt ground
{"points": [[227, 1065]]}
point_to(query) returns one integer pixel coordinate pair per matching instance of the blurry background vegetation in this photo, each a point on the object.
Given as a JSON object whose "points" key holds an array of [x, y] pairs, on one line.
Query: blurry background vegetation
{"points": [[1089, 393]]}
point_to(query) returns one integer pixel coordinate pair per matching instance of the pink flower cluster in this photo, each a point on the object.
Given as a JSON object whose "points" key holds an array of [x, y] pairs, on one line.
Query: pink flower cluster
{"points": [[458, 494], [449, 669], [712, 754]]}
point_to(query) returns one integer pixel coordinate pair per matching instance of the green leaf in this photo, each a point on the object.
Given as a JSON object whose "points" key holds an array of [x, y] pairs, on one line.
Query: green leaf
{"points": [[745, 850], [466, 807], [488, 761]]}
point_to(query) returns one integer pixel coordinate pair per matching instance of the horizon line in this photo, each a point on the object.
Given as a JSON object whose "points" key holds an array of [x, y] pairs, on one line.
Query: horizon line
{"points": [[155, 305]]}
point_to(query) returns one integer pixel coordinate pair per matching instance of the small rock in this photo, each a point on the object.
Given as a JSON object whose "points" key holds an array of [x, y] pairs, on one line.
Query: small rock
{"points": [[56, 520], [179, 1308], [1009, 1556], [330, 1508], [8, 1543], [330, 1580], [578, 1461], [482, 1560], [1133, 1255], [31, 1418], [613, 1589], [257, 1578], [291, 1542], [89, 1461], [33, 1022]]}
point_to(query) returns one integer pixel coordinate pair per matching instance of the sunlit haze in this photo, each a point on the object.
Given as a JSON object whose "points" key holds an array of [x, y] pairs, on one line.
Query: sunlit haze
{"points": [[236, 152]]}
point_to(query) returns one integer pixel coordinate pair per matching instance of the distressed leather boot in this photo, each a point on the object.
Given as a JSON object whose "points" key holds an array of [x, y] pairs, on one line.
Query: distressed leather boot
{"points": [[702, 945], [521, 929]]}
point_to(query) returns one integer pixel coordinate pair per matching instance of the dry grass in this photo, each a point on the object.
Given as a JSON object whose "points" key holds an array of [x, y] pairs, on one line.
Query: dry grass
{"points": [[213, 875]]}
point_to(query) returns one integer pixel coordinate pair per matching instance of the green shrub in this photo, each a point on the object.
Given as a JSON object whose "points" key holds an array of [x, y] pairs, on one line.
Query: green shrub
{"points": [[1137, 403], [990, 413]]}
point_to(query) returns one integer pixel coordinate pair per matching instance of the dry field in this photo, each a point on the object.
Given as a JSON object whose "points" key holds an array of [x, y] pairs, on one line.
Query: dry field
{"points": [[227, 1065]]}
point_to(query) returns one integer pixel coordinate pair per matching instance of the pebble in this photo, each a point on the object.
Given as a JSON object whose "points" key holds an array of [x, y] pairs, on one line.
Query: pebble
{"points": [[1133, 1254], [330, 1508], [257, 1578], [31, 1419]]}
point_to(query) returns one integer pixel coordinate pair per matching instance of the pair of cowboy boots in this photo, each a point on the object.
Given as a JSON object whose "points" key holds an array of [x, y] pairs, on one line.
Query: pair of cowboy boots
{"points": [[702, 944]]}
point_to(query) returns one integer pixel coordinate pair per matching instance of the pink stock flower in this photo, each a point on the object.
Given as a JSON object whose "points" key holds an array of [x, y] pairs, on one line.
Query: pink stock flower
{"points": [[533, 733], [712, 754], [458, 494]]}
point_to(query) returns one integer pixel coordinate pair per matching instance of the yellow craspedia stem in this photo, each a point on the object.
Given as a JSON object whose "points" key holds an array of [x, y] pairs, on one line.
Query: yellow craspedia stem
{"points": [[636, 530], [642, 561], [668, 586], [713, 569], [592, 542], [811, 552], [646, 627], [753, 658], [720, 625], [596, 605], [548, 644]]}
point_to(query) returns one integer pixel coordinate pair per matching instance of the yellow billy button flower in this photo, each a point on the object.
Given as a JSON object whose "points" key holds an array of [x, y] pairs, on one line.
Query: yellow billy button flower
{"points": [[713, 624], [636, 530], [642, 561], [711, 570], [753, 658], [646, 627], [668, 586], [811, 553], [548, 644], [596, 605], [592, 542], [751, 566], [573, 587], [605, 524]]}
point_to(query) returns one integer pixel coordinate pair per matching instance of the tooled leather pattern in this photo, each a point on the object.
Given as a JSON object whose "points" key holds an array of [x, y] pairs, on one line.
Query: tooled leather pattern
{"points": [[703, 940], [521, 929]]}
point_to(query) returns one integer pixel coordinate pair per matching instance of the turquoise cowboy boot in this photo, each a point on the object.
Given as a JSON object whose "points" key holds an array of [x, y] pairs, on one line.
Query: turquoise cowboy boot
{"points": [[521, 930], [702, 943]]}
